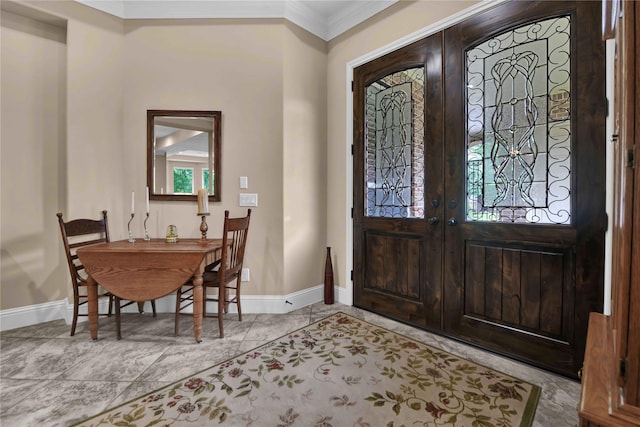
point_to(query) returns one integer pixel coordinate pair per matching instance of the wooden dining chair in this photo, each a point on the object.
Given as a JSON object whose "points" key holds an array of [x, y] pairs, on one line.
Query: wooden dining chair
{"points": [[225, 274], [76, 234]]}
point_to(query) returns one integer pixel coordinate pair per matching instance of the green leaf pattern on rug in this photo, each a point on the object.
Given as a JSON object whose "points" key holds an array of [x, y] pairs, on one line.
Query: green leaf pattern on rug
{"points": [[340, 371]]}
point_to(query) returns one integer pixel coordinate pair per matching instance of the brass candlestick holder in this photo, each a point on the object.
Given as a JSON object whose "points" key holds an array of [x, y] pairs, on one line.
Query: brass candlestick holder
{"points": [[131, 239], [146, 233], [203, 225]]}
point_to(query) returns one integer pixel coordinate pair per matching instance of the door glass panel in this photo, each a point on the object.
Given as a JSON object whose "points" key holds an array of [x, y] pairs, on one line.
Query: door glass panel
{"points": [[518, 126], [394, 145]]}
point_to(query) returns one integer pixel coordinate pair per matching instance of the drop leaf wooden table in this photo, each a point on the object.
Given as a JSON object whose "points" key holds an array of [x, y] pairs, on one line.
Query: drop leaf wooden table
{"points": [[146, 270]]}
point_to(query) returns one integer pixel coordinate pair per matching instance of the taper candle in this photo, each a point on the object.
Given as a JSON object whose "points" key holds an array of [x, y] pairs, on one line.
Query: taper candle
{"points": [[133, 203], [201, 196], [147, 199]]}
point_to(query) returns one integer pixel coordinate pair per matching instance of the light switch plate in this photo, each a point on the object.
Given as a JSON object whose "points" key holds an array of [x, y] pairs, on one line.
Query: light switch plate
{"points": [[248, 199], [244, 182]]}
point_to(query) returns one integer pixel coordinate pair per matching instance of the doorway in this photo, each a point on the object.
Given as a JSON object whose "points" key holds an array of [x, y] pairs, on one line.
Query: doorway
{"points": [[479, 181]]}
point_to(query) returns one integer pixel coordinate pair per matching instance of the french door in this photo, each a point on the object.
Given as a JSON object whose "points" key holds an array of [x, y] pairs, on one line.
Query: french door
{"points": [[479, 206], [398, 150]]}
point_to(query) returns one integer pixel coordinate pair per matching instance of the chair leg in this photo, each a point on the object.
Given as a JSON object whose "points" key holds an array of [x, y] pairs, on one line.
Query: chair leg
{"points": [[204, 301], [238, 300], [153, 307], [141, 307], [177, 320], [221, 302], [74, 323], [111, 300], [118, 333], [226, 300]]}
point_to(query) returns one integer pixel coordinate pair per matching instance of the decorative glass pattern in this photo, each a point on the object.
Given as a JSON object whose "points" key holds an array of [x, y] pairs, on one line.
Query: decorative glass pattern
{"points": [[394, 144], [518, 126]]}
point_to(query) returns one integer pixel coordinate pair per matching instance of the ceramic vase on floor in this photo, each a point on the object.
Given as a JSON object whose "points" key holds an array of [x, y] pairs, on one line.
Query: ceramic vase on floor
{"points": [[328, 279]]}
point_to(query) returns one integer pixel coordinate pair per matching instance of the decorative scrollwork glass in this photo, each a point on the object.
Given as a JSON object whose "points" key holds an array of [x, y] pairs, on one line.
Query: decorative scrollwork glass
{"points": [[394, 144], [519, 125]]}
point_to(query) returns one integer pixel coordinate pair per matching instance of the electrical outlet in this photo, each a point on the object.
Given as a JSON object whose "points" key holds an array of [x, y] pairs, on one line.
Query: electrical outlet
{"points": [[245, 275]]}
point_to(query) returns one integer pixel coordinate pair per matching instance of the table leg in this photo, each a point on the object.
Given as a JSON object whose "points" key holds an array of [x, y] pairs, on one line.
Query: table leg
{"points": [[197, 304], [92, 306]]}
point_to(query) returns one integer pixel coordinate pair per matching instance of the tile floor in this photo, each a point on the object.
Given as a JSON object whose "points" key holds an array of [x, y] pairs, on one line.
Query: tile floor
{"points": [[48, 378]]}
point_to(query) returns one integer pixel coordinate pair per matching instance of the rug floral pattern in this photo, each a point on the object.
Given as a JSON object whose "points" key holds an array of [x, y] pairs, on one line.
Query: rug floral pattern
{"points": [[340, 371]]}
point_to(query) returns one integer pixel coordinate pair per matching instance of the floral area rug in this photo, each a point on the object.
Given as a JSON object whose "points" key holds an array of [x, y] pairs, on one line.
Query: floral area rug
{"points": [[339, 371]]}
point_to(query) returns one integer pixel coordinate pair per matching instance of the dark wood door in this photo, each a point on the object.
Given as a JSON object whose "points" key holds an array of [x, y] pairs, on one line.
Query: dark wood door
{"points": [[508, 252], [398, 133], [526, 171]]}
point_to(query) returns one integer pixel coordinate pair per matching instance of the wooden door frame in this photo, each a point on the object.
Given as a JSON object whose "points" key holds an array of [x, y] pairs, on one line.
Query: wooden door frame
{"points": [[626, 220], [608, 395]]}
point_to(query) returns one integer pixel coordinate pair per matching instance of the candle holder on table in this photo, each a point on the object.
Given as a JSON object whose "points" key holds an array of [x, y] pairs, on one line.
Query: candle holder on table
{"points": [[131, 239], [146, 233], [203, 225]]}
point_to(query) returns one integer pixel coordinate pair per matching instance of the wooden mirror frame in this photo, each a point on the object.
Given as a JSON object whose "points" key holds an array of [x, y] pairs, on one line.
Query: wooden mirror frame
{"points": [[216, 116]]}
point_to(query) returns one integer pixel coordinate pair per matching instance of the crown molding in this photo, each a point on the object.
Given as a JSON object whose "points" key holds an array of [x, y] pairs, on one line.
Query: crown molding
{"points": [[329, 19], [348, 17], [325, 19]]}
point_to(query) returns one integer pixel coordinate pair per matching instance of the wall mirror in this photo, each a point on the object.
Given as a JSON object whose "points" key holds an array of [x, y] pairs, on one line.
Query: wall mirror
{"points": [[183, 154]]}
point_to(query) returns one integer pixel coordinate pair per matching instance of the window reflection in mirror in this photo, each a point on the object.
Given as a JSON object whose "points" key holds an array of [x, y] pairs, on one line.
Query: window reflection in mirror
{"points": [[183, 154]]}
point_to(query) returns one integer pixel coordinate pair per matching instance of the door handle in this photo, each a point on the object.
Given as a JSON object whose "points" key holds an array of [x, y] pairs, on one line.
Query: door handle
{"points": [[433, 220], [452, 221]]}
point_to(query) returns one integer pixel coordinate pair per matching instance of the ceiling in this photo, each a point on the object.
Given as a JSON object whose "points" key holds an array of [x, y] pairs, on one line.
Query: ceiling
{"points": [[324, 18]]}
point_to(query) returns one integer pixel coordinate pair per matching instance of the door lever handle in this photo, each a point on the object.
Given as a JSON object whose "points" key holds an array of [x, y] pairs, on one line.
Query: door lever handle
{"points": [[452, 221], [433, 220]]}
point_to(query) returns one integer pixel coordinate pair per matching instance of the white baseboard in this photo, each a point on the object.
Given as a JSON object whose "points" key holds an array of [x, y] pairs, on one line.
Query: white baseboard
{"points": [[38, 313], [345, 295], [273, 304], [33, 314]]}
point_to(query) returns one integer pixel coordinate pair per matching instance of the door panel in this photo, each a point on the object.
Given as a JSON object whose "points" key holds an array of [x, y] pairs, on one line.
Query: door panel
{"points": [[523, 287], [397, 248], [393, 267], [393, 264], [524, 263]]}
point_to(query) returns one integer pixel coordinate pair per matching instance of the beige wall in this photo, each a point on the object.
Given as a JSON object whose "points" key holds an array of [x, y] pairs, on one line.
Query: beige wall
{"points": [[74, 135], [32, 159], [391, 25], [305, 166], [235, 66], [114, 72]]}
